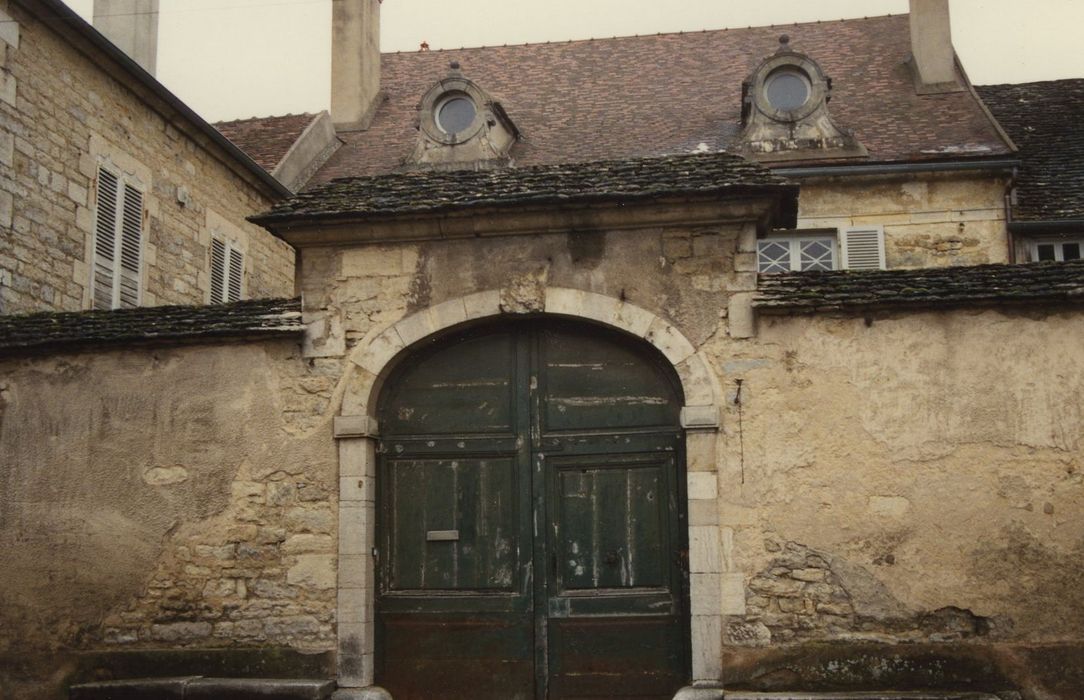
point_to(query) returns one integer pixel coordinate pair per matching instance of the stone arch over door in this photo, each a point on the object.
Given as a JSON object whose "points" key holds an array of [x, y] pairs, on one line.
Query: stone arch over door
{"points": [[357, 431]]}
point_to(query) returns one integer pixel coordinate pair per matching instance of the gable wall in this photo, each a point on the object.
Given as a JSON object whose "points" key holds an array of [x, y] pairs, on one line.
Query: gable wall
{"points": [[60, 115]]}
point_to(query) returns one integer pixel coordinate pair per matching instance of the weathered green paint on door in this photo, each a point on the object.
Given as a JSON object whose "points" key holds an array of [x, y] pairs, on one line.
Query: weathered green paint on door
{"points": [[531, 521]]}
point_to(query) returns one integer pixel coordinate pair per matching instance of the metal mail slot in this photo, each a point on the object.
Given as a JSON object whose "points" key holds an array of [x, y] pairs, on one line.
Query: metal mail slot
{"points": [[442, 536]]}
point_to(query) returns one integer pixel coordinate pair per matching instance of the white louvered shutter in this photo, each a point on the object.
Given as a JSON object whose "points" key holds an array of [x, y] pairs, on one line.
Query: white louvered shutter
{"points": [[218, 270], [237, 269], [131, 246], [105, 234], [227, 271], [864, 248]]}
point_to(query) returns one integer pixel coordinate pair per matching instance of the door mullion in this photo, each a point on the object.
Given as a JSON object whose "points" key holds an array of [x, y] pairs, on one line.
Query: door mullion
{"points": [[530, 429]]}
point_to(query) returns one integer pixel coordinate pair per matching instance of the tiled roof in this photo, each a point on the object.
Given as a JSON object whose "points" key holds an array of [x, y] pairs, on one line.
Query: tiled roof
{"points": [[266, 139], [438, 190], [244, 319], [1044, 119], [812, 292], [674, 93]]}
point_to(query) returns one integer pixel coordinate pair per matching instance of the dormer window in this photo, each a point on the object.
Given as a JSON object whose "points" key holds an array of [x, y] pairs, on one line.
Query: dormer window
{"points": [[460, 125], [785, 111]]}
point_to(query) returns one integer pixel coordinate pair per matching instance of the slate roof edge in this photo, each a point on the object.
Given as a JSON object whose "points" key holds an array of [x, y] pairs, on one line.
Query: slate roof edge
{"points": [[1041, 226], [785, 294], [157, 325], [731, 191], [55, 12]]}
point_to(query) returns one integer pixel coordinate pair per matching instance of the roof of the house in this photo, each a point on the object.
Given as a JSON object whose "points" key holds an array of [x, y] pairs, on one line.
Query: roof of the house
{"points": [[262, 318], [423, 192], [266, 139], [667, 94], [56, 15], [1044, 120], [980, 285]]}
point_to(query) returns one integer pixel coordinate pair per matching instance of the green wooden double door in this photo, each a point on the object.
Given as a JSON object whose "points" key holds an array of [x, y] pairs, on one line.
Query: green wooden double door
{"points": [[531, 521]]}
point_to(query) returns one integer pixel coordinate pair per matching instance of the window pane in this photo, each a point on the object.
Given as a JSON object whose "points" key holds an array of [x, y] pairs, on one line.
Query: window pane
{"points": [[1045, 251], [817, 255], [787, 90], [773, 256], [455, 115], [1070, 251]]}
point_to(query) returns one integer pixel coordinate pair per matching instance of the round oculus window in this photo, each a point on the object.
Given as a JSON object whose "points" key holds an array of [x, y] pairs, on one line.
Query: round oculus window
{"points": [[787, 89], [455, 114]]}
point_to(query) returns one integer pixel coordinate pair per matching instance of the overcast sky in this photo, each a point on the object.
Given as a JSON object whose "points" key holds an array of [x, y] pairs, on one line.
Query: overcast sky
{"points": [[241, 58]]}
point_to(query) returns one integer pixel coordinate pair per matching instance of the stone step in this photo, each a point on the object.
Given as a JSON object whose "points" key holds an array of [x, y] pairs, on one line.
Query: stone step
{"points": [[200, 688], [863, 695]]}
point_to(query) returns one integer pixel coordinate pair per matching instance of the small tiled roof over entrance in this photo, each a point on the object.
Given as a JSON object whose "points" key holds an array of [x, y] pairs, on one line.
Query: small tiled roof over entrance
{"points": [[423, 192], [261, 318], [980, 285], [266, 139], [1044, 119]]}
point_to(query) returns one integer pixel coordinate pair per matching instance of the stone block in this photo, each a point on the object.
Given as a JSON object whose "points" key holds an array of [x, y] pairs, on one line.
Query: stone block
{"points": [[355, 527], [356, 571], [633, 319], [354, 605], [700, 417], [378, 352], [357, 456], [357, 488], [482, 304], [373, 692], [7, 209], [9, 30], [704, 553], [707, 643], [702, 486], [7, 88], [697, 381], [669, 341], [415, 327], [704, 593], [7, 149], [448, 314], [741, 319], [315, 571]]}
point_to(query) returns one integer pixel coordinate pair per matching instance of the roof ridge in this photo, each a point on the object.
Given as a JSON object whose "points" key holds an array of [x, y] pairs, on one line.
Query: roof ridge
{"points": [[565, 42]]}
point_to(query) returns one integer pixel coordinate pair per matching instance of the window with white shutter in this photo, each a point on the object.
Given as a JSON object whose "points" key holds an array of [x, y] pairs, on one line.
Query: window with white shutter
{"points": [[118, 243], [796, 253], [863, 248], [227, 271]]}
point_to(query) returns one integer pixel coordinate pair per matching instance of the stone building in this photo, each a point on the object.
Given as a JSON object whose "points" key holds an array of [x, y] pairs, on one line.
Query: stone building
{"points": [[601, 384], [113, 193]]}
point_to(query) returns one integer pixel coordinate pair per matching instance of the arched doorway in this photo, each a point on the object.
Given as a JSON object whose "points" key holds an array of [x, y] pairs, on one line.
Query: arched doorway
{"points": [[532, 518]]}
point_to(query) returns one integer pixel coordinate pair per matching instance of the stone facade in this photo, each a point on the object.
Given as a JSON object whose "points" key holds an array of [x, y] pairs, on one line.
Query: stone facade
{"points": [[61, 116], [929, 220], [882, 488]]}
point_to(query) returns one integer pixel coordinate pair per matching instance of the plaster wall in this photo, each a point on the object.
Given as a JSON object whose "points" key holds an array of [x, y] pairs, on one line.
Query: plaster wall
{"points": [[929, 220], [61, 115], [164, 498]]}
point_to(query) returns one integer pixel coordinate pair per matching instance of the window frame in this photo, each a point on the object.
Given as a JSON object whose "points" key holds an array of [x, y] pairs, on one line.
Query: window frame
{"points": [[795, 239], [1058, 243], [127, 186]]}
